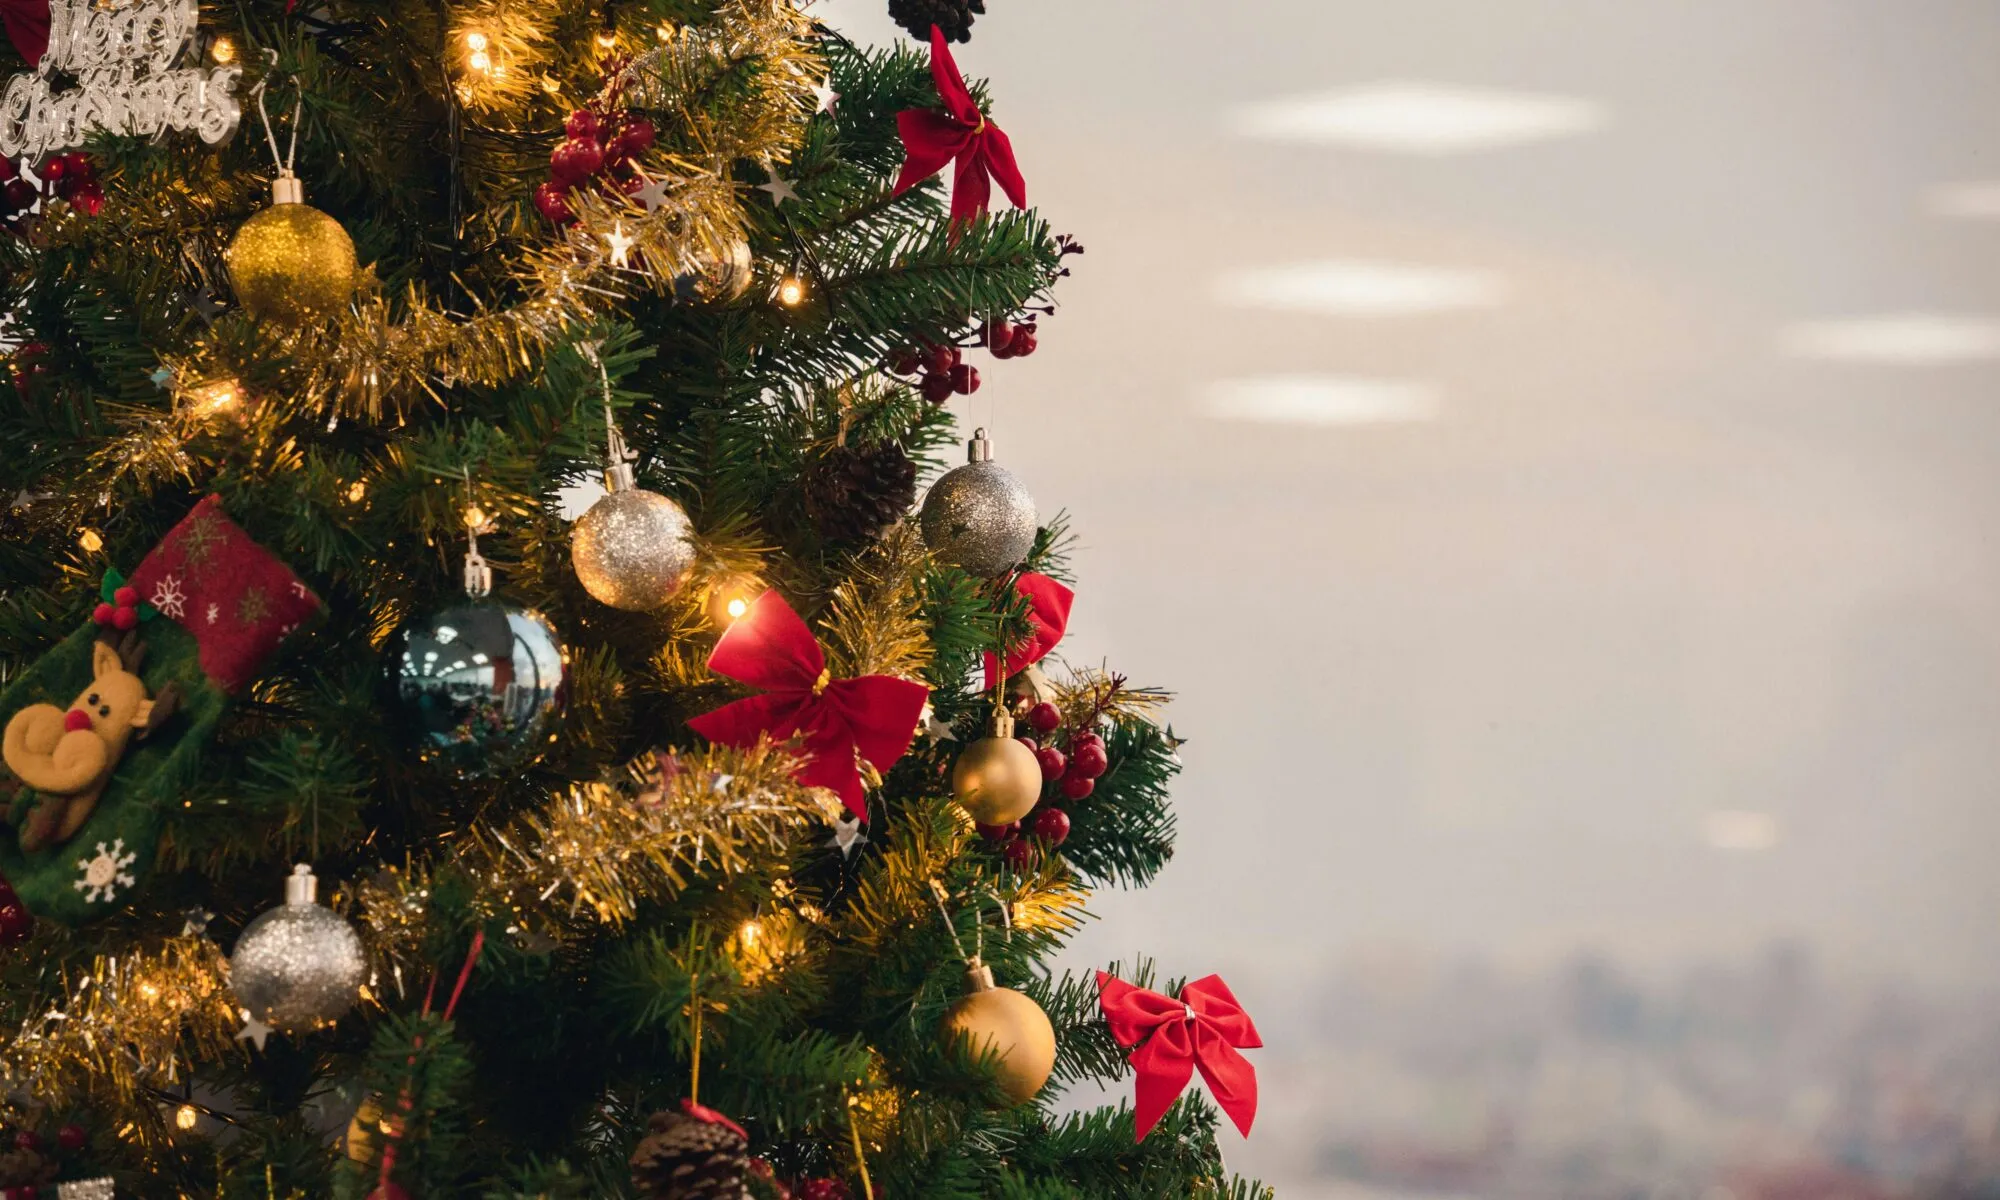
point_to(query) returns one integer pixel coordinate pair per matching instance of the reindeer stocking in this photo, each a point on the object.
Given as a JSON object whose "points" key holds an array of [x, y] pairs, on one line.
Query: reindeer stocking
{"points": [[102, 729]]}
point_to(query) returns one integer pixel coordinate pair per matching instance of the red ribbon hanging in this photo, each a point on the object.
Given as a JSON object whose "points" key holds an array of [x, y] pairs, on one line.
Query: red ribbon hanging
{"points": [[932, 138], [1204, 1027], [1048, 617], [873, 717], [27, 23]]}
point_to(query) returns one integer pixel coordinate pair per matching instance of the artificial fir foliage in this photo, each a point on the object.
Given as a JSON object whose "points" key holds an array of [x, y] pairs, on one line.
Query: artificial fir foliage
{"points": [[721, 856]]}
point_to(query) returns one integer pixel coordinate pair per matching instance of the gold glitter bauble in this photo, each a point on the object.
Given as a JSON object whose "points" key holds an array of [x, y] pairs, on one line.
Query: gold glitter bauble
{"points": [[1008, 1024], [631, 550], [997, 779], [291, 263]]}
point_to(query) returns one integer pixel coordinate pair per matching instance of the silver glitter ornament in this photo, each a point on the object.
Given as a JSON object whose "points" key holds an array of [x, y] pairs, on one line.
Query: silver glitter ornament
{"points": [[631, 550], [979, 516], [478, 685], [298, 966]]}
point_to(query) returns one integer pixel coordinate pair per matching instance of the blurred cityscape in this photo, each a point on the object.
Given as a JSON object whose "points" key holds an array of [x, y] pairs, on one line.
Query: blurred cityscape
{"points": [[1762, 1080]]}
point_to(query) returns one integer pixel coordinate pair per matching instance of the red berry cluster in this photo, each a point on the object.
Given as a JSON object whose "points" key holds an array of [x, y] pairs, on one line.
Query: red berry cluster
{"points": [[942, 369], [71, 176], [1073, 775], [31, 1164], [601, 143], [802, 1189], [123, 611]]}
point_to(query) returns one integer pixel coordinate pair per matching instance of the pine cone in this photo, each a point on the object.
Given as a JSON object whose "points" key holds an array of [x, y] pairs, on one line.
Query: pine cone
{"points": [[689, 1157], [854, 493], [952, 16]]}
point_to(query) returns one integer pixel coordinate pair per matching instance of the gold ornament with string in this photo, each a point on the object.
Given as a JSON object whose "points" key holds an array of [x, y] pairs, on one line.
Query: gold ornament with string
{"points": [[998, 1021], [290, 263], [997, 779]]}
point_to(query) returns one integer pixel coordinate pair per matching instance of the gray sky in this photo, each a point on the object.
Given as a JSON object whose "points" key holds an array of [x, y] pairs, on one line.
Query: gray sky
{"points": [[1634, 538]]}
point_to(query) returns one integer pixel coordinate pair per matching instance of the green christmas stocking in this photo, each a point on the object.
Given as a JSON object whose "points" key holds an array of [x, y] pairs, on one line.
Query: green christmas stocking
{"points": [[103, 730]]}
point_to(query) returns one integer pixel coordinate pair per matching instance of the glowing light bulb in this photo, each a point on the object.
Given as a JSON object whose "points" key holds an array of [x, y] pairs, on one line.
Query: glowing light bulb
{"points": [[666, 32], [475, 517], [607, 40], [792, 291], [215, 396], [356, 492], [90, 541], [475, 41], [185, 1117], [749, 934], [223, 50], [737, 607]]}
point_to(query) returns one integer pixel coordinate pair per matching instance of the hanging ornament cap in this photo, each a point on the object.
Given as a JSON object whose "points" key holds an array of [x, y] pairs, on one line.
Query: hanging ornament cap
{"points": [[618, 460], [1003, 724], [979, 449], [302, 886], [978, 977], [287, 188], [478, 576]]}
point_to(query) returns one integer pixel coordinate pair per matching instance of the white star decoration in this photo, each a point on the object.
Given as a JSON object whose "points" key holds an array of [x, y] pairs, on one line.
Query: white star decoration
{"points": [[823, 93], [621, 245], [934, 729], [105, 872], [653, 195], [780, 189], [253, 1031]]}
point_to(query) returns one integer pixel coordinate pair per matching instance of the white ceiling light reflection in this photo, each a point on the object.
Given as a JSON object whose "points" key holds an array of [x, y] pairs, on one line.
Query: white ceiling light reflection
{"points": [[1320, 400], [1967, 201], [1419, 118], [1351, 288], [1897, 339], [1740, 831]]}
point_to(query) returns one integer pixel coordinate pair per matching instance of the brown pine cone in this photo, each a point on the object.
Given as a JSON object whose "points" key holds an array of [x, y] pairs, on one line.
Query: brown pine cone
{"points": [[694, 1154], [855, 492], [954, 17]]}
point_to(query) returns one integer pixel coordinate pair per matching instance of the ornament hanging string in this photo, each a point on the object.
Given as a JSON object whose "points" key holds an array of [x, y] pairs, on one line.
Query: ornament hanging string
{"points": [[396, 1132], [282, 161], [616, 453]]}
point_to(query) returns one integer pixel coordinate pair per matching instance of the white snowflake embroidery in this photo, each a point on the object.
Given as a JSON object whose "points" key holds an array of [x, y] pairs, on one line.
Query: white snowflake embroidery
{"points": [[299, 590], [214, 613], [168, 597], [106, 873]]}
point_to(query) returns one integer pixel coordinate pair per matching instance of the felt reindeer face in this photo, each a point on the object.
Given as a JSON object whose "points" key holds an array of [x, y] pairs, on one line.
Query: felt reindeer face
{"points": [[116, 702], [73, 752]]}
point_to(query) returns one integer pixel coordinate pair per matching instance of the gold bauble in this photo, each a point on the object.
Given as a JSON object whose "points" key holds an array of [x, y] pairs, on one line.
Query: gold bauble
{"points": [[1009, 1025], [997, 779], [291, 262]]}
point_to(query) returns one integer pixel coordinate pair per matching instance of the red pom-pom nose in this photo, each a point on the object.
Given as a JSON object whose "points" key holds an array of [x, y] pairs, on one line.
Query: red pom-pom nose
{"points": [[76, 720]]}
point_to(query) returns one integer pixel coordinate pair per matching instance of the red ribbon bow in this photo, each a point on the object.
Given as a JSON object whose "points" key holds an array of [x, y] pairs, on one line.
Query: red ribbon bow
{"points": [[932, 138], [1203, 1028], [1048, 616], [27, 23], [873, 717]]}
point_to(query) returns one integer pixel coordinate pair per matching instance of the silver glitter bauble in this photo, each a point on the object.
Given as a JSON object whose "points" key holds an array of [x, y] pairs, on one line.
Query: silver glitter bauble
{"points": [[478, 685], [298, 966], [631, 550], [718, 278], [978, 516]]}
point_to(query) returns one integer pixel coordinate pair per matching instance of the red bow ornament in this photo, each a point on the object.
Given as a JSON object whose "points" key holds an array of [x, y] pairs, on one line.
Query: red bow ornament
{"points": [[1048, 618], [873, 717], [1204, 1027], [932, 138], [27, 23]]}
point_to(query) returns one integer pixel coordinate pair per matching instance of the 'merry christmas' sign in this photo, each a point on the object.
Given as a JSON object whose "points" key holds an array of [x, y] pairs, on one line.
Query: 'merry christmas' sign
{"points": [[122, 57]]}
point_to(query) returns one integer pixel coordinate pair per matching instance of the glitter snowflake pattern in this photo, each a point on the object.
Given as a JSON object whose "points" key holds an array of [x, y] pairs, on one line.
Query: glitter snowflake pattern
{"points": [[253, 607], [199, 542], [214, 612], [104, 874], [169, 598]]}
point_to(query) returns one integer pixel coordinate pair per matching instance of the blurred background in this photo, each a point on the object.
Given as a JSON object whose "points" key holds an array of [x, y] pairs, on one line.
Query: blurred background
{"points": [[1550, 447]]}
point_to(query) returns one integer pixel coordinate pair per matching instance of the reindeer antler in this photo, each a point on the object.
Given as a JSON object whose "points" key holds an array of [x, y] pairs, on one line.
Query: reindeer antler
{"points": [[165, 705]]}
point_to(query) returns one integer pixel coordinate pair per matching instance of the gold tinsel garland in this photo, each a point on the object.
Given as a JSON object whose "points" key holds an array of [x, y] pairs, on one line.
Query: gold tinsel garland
{"points": [[122, 1026], [600, 851]]}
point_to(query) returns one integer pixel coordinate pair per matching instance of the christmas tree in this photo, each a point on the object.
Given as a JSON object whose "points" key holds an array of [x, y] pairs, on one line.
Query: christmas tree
{"points": [[378, 826]]}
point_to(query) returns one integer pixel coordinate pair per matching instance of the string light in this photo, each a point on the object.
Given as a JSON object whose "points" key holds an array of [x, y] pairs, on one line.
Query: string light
{"points": [[356, 492], [475, 517], [185, 1117], [90, 540], [791, 291], [729, 598], [223, 50], [607, 40], [737, 607], [479, 60], [214, 396]]}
